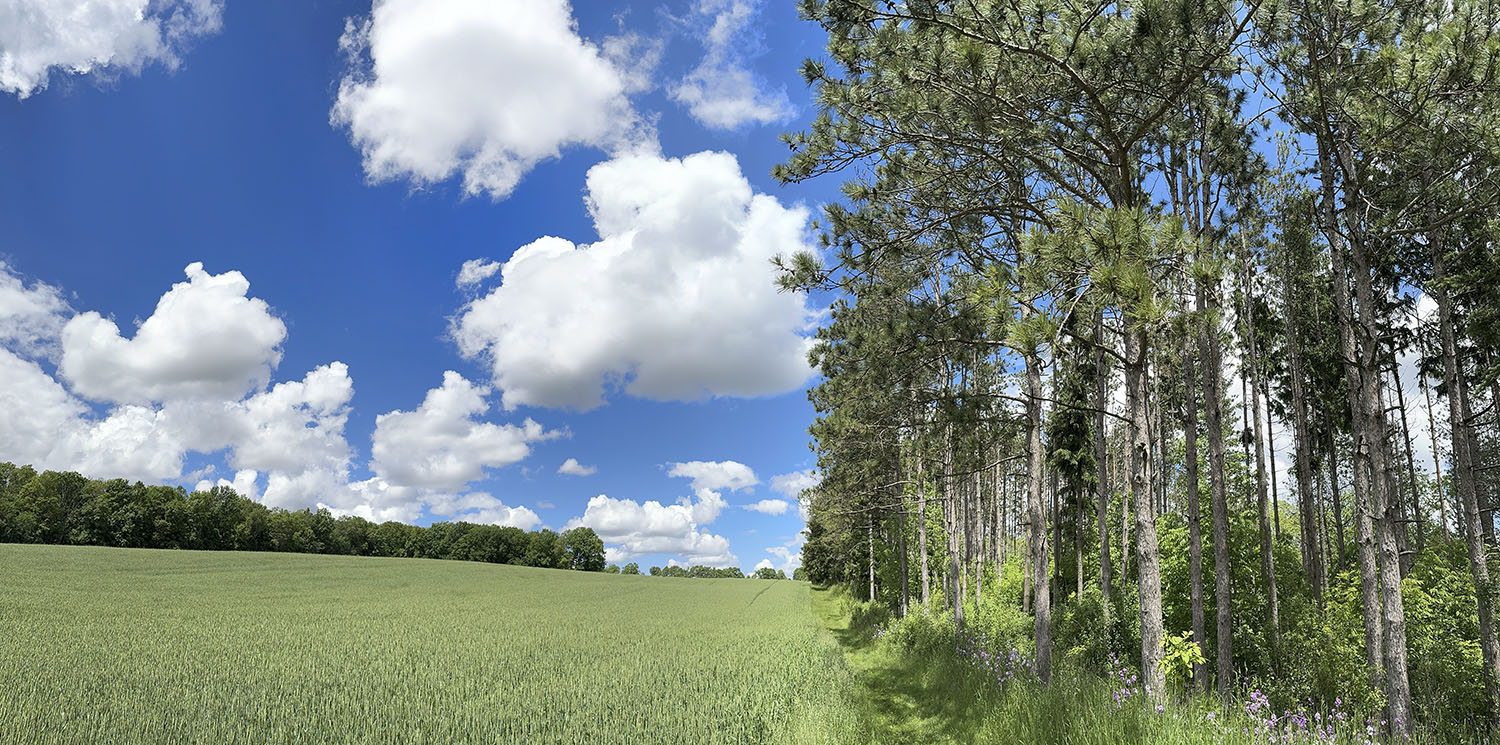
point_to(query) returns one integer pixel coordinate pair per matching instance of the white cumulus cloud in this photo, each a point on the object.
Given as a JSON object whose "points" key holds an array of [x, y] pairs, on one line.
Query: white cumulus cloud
{"points": [[481, 507], [441, 445], [676, 301], [207, 338], [711, 474], [485, 89], [769, 506], [85, 36], [572, 467], [721, 92], [31, 318], [180, 386], [475, 271], [635, 529]]}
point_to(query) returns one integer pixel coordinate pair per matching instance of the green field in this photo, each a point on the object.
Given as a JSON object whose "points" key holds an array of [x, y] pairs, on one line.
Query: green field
{"points": [[119, 646]]}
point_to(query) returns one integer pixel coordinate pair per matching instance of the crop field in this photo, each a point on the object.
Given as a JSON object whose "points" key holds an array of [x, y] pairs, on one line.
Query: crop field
{"points": [[122, 646]]}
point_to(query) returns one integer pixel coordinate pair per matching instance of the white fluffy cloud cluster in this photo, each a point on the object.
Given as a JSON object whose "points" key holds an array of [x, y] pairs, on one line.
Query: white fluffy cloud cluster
{"points": [[769, 506], [721, 92], [442, 446], [676, 301], [180, 384], [713, 475], [195, 378], [571, 467], [207, 338], [31, 318], [84, 36], [481, 88], [631, 529]]}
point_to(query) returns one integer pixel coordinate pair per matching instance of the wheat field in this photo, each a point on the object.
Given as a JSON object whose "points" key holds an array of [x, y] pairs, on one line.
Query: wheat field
{"points": [[124, 646]]}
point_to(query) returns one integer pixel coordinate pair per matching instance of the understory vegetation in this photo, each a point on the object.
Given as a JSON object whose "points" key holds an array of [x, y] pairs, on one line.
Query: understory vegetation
{"points": [[923, 681]]}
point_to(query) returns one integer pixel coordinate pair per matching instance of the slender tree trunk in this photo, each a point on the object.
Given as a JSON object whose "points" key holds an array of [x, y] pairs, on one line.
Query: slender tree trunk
{"points": [[1437, 467], [1101, 401], [1323, 534], [901, 550], [950, 507], [1414, 494], [1369, 571], [1207, 304], [997, 488], [1127, 500], [978, 544], [1267, 560], [1194, 514], [922, 534], [1464, 484], [1265, 394], [1043, 605], [1078, 541], [1382, 496], [1147, 557], [1312, 557], [1056, 516]]}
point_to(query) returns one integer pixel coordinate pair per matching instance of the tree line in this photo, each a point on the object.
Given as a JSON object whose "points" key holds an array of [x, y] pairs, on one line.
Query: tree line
{"points": [[61, 507], [1091, 256]]}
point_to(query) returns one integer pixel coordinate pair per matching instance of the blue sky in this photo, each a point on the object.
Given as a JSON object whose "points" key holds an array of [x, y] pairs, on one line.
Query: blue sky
{"points": [[332, 166]]}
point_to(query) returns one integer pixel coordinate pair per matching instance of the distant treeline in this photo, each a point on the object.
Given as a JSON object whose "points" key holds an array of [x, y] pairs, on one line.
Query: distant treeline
{"points": [[69, 509], [66, 508]]}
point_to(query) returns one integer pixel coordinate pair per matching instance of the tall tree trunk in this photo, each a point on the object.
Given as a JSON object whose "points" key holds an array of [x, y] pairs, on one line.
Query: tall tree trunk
{"points": [[1312, 556], [1369, 572], [1333, 483], [1414, 494], [1194, 514], [1463, 481], [950, 507], [978, 544], [997, 545], [1437, 467], [1056, 515], [1042, 604], [1078, 541], [1382, 496], [1267, 560], [901, 550], [1271, 462], [1101, 401], [1127, 499], [922, 534], [1148, 567], [1207, 303]]}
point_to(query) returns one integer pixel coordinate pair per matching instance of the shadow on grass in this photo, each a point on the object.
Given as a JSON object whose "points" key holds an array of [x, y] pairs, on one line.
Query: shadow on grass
{"points": [[906, 698]]}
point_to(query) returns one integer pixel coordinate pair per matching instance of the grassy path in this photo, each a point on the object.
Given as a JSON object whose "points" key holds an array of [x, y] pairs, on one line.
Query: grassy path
{"points": [[901, 698]]}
